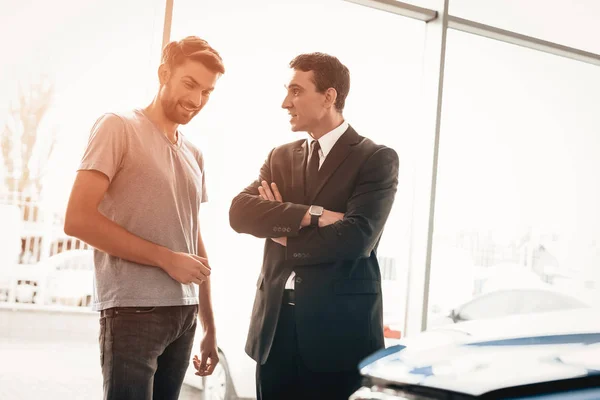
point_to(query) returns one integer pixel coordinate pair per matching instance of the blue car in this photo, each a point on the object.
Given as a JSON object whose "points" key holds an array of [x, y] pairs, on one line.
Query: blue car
{"points": [[547, 356]]}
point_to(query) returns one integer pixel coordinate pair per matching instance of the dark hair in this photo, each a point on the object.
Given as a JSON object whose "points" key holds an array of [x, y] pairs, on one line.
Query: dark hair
{"points": [[328, 72], [192, 48]]}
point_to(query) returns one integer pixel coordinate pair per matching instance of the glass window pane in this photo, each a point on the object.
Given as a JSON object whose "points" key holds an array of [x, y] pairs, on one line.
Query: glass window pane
{"points": [[570, 23], [517, 189], [244, 120], [95, 57], [64, 63], [430, 4]]}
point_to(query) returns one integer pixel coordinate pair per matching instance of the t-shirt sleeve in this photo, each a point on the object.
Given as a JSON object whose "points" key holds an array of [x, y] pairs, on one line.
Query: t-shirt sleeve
{"points": [[106, 146], [201, 163]]}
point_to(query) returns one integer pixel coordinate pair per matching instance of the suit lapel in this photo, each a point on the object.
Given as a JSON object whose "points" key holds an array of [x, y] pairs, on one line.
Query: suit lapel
{"points": [[334, 159], [299, 160]]}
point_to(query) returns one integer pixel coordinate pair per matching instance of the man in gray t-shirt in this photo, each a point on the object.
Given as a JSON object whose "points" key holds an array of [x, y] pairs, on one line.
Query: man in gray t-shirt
{"points": [[136, 200]]}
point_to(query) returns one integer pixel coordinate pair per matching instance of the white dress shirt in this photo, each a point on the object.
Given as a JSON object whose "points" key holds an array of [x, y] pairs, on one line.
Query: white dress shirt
{"points": [[327, 141]]}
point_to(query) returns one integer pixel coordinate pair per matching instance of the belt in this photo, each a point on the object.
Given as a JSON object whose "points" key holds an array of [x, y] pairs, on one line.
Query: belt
{"points": [[289, 297]]}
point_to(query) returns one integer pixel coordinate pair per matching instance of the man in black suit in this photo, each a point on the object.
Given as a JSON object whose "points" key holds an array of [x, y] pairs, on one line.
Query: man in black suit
{"points": [[322, 207]]}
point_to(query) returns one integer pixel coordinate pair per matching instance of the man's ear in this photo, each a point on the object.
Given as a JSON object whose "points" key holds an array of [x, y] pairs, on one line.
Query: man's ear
{"points": [[330, 97], [164, 73]]}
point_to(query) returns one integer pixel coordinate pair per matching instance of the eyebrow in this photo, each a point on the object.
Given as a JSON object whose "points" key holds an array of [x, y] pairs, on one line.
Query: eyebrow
{"points": [[192, 79], [196, 83], [293, 86]]}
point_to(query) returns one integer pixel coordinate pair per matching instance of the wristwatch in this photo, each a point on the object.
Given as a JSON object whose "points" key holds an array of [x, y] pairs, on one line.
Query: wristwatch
{"points": [[315, 213]]}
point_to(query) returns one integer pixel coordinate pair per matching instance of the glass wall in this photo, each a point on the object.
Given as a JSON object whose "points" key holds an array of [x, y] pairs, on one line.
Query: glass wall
{"points": [[67, 62], [569, 23], [64, 63], [83, 59], [517, 188], [245, 120]]}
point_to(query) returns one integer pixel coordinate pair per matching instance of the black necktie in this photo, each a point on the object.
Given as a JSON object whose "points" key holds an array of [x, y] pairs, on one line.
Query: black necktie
{"points": [[312, 169]]}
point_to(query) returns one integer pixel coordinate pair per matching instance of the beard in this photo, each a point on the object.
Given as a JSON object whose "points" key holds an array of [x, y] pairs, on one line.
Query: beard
{"points": [[173, 109], [175, 113]]}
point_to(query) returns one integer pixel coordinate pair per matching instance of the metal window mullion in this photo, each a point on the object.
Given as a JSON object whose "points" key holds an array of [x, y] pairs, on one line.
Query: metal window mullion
{"points": [[417, 301], [168, 22], [518, 39], [399, 8]]}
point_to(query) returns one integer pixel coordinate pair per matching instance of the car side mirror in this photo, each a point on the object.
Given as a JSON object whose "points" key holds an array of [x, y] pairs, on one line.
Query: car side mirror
{"points": [[454, 315]]}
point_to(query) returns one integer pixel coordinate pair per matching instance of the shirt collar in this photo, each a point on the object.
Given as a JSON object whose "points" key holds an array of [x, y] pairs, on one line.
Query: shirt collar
{"points": [[328, 140]]}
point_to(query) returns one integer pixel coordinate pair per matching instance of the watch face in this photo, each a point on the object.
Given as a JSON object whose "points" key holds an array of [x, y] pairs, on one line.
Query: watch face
{"points": [[315, 210]]}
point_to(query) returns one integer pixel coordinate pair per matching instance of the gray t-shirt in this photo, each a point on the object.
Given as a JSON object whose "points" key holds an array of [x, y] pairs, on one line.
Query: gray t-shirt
{"points": [[155, 192]]}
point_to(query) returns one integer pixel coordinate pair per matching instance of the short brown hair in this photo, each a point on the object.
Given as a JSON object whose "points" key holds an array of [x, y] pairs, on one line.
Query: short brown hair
{"points": [[192, 48], [328, 72]]}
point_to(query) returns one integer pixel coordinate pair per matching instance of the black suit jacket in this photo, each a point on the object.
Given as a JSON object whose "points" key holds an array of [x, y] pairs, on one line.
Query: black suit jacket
{"points": [[338, 283]]}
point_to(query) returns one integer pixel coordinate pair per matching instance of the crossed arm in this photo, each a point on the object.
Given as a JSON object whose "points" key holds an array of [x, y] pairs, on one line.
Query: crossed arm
{"points": [[257, 209], [256, 215], [271, 193]]}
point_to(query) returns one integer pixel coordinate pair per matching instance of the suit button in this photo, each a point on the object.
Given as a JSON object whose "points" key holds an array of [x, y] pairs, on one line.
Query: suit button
{"points": [[298, 279]]}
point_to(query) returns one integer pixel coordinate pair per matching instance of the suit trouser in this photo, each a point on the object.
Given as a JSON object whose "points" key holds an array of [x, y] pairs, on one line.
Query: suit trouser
{"points": [[145, 351], [286, 377]]}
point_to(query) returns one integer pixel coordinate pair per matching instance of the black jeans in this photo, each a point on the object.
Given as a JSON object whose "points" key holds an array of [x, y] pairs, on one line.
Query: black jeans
{"points": [[145, 351]]}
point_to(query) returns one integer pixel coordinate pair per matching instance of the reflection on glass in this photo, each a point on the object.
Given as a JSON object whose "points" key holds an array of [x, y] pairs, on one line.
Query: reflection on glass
{"points": [[244, 120], [569, 23], [517, 191], [70, 62]]}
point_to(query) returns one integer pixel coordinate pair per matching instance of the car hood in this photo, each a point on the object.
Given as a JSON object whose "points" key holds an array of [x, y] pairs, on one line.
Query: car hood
{"points": [[482, 367], [472, 360]]}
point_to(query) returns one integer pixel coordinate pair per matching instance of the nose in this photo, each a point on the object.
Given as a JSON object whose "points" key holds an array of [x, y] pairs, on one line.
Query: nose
{"points": [[195, 99], [287, 104]]}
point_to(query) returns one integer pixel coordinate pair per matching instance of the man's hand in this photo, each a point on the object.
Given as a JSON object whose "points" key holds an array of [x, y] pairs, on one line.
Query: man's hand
{"points": [[186, 268], [272, 193], [269, 193], [209, 356], [280, 240]]}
